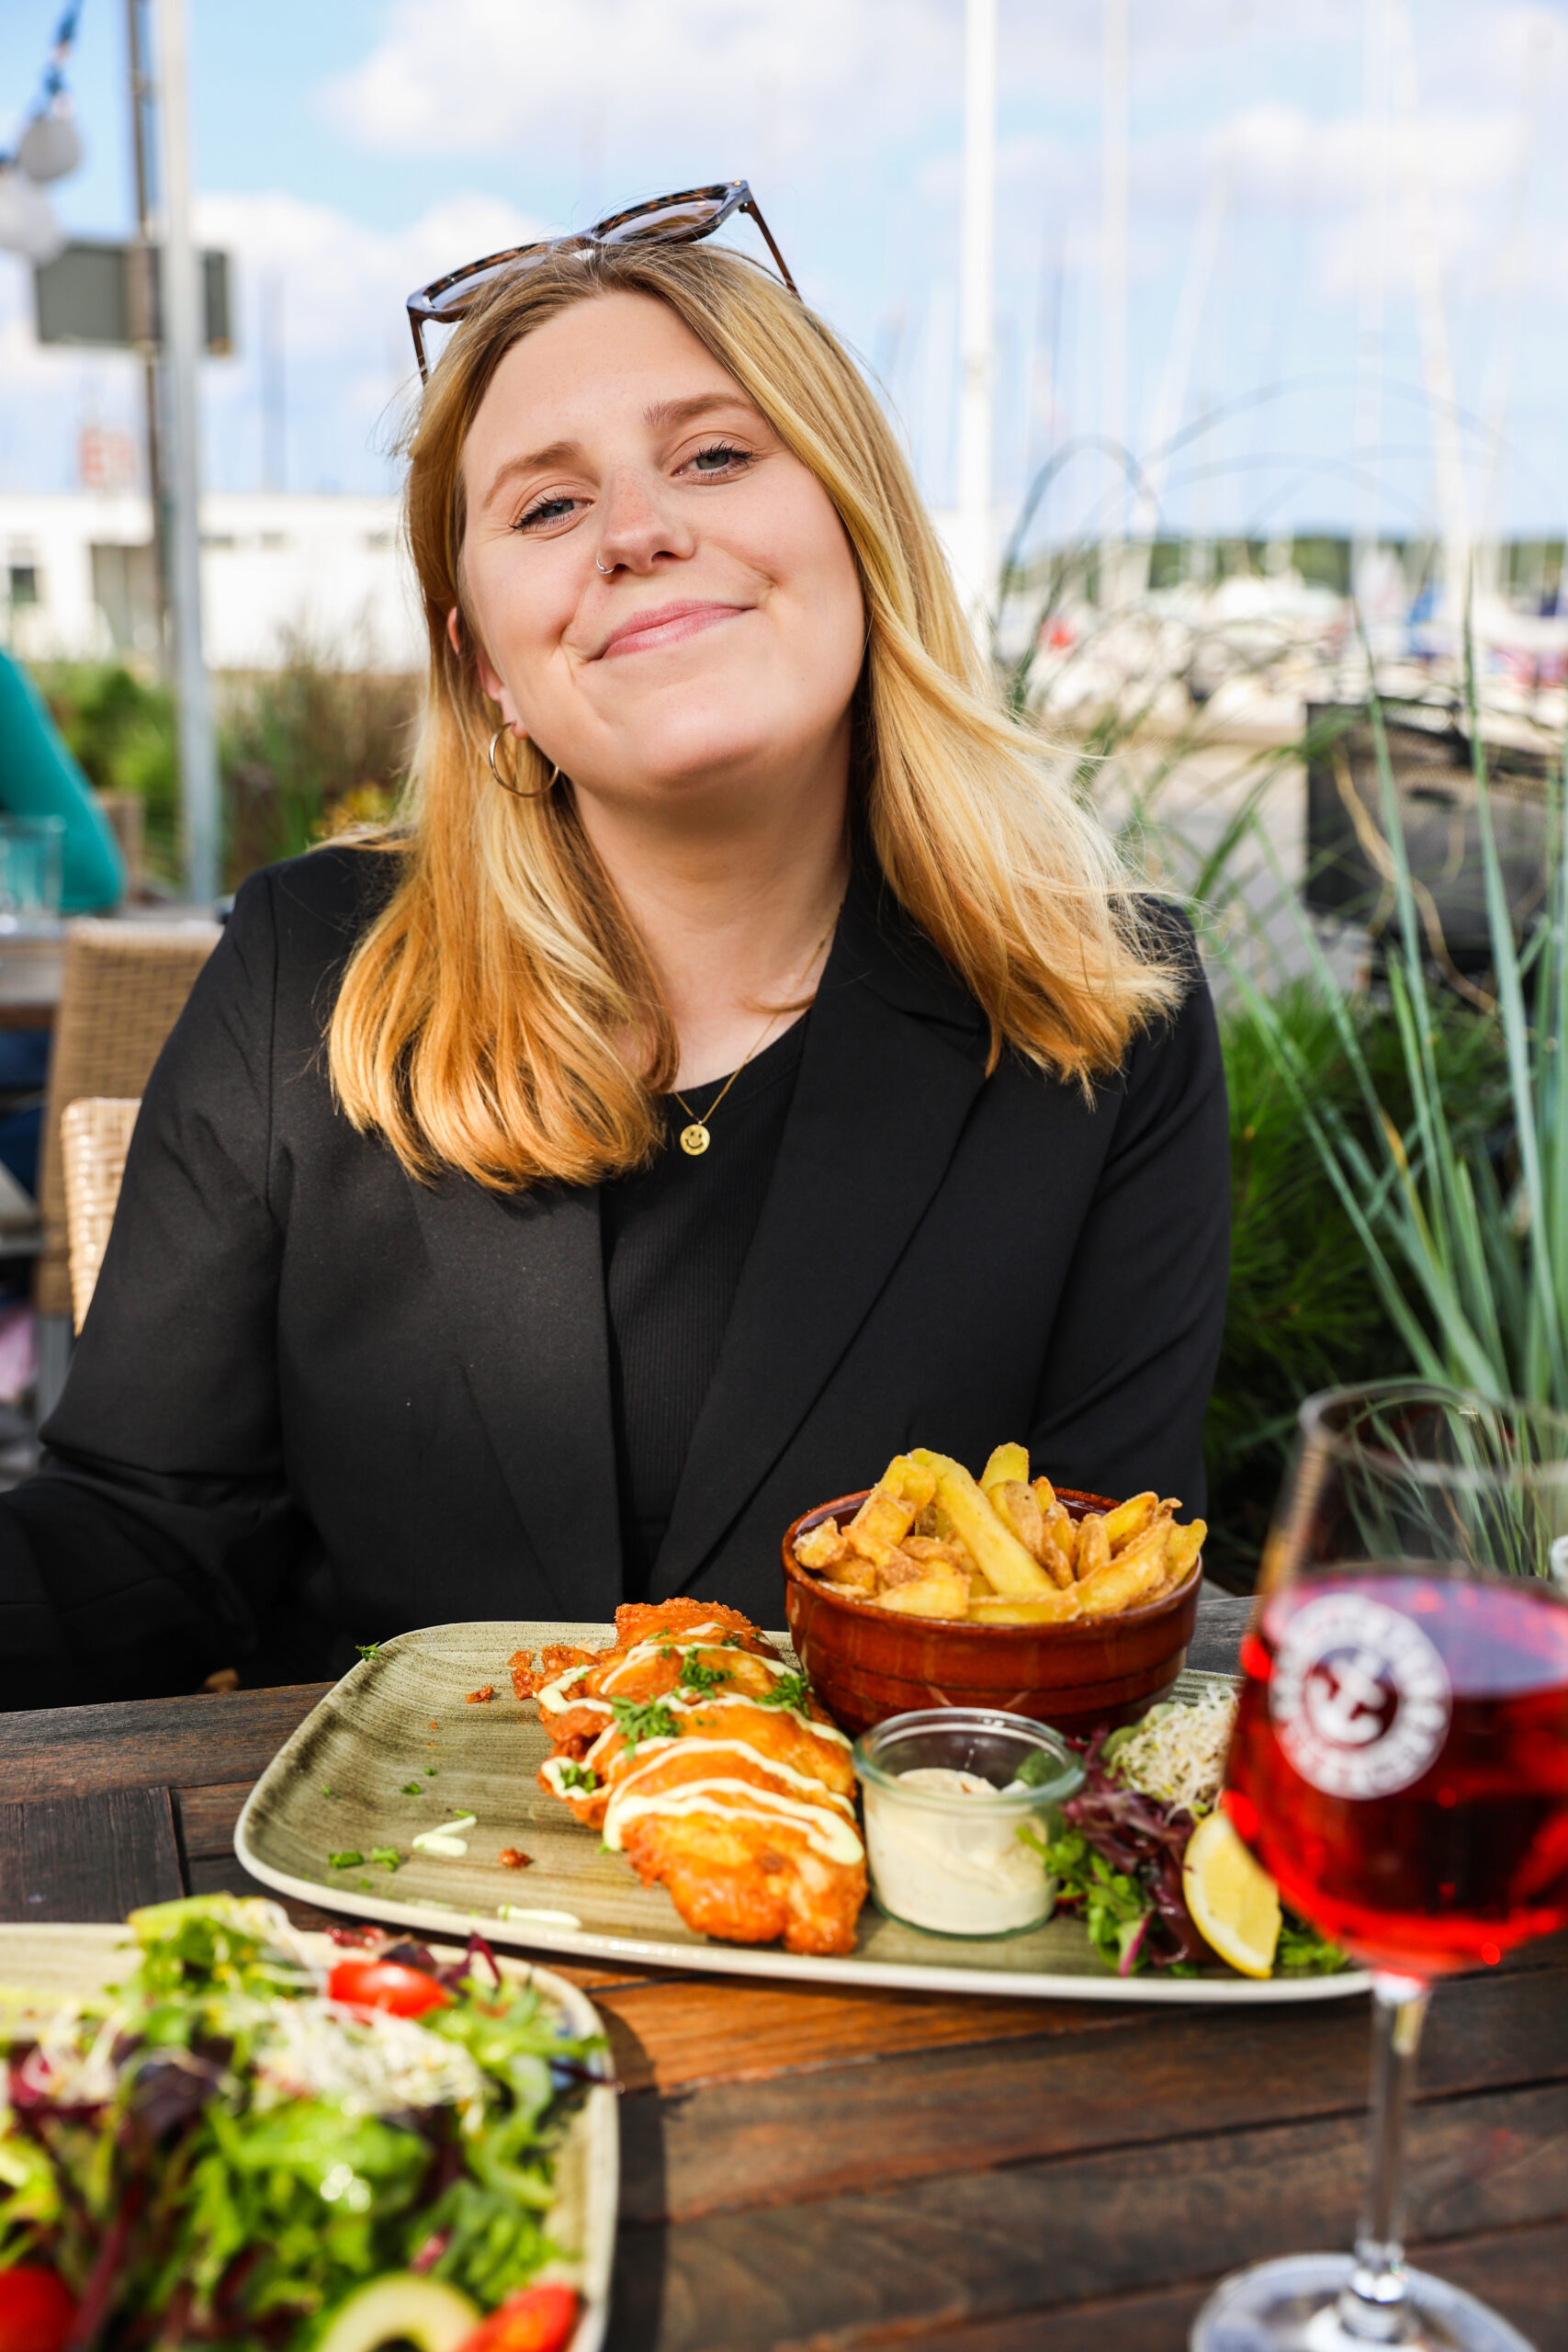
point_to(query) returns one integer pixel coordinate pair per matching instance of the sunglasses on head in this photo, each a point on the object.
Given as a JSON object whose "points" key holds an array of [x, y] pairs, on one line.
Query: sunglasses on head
{"points": [[680, 220]]}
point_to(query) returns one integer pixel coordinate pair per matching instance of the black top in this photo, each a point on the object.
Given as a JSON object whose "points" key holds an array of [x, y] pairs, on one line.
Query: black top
{"points": [[675, 1238], [316, 1402]]}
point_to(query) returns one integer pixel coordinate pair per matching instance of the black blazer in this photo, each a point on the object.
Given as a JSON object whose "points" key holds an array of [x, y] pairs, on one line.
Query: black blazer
{"points": [[316, 1402]]}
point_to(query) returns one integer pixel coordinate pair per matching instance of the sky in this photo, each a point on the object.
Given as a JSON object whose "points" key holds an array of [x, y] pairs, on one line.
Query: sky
{"points": [[347, 150]]}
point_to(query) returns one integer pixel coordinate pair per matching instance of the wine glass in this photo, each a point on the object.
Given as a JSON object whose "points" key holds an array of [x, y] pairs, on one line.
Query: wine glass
{"points": [[1400, 1767]]}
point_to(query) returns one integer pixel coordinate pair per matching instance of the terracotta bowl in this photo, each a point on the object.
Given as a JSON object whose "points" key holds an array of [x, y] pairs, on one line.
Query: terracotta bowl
{"points": [[867, 1663]]}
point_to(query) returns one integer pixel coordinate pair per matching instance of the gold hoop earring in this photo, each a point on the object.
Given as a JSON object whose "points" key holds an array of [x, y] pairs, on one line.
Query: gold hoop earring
{"points": [[516, 790]]}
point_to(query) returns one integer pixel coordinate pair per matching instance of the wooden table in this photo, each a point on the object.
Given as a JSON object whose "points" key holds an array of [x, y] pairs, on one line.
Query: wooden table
{"points": [[831, 2169]]}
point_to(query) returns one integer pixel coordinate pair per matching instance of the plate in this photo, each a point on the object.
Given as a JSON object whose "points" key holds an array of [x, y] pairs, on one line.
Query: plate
{"points": [[49, 1964], [402, 1721]]}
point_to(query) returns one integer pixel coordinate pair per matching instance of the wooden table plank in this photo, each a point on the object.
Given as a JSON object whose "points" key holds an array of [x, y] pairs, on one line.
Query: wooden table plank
{"points": [[969, 2245], [208, 1817], [1222, 1619], [1126, 2077], [87, 1857], [1519, 2272], [665, 2035], [149, 1743]]}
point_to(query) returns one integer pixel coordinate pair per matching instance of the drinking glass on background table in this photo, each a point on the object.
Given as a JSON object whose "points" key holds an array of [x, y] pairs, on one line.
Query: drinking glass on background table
{"points": [[1400, 1767], [32, 856]]}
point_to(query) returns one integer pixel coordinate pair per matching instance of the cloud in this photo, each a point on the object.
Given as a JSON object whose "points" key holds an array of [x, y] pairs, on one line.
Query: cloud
{"points": [[344, 284], [532, 76]]}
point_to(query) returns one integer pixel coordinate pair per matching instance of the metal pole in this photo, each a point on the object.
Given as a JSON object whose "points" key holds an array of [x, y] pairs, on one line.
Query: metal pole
{"points": [[1113, 289], [144, 315], [975, 551], [182, 305], [1437, 359], [1372, 294]]}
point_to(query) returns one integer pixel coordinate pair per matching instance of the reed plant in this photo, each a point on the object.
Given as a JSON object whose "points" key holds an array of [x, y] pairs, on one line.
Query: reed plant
{"points": [[1302, 1313]]}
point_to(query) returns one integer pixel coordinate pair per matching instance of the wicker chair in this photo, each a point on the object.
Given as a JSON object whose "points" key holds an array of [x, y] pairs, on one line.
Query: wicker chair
{"points": [[125, 987], [94, 1136]]}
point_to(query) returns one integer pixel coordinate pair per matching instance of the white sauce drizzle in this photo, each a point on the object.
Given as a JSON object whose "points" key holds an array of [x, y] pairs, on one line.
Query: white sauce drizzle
{"points": [[554, 1698], [446, 1840], [540, 1918], [700, 1705], [699, 1746], [833, 1837]]}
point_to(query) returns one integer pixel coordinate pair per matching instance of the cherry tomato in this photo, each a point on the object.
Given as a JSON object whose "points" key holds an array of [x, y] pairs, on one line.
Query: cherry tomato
{"points": [[541, 2319], [36, 2309], [387, 1985]]}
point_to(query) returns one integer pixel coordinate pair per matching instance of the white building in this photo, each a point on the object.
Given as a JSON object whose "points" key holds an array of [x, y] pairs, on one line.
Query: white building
{"points": [[76, 578]]}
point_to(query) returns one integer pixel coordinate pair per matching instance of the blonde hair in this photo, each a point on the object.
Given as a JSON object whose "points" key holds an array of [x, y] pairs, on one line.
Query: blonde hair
{"points": [[476, 1021]]}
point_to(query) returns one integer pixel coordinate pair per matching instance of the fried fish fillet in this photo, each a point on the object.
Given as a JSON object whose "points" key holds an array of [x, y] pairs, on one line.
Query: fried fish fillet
{"points": [[693, 1750]]}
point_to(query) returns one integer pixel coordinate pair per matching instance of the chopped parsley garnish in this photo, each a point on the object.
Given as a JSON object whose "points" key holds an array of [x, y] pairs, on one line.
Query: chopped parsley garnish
{"points": [[640, 1719], [353, 1859], [387, 1856], [696, 1675], [579, 1776], [325, 1790], [790, 1690], [369, 1650], [411, 1788], [733, 1642]]}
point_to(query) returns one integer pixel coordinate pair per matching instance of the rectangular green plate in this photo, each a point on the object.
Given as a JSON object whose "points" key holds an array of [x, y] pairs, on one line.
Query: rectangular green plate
{"points": [[40, 1967], [339, 1786]]}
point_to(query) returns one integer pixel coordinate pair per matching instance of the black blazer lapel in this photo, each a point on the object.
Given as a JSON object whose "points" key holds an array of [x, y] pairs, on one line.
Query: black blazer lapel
{"points": [[895, 1056], [522, 1281]]}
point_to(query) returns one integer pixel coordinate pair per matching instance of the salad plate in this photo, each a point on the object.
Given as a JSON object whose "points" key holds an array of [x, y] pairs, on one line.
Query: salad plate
{"points": [[350, 1814], [43, 1967]]}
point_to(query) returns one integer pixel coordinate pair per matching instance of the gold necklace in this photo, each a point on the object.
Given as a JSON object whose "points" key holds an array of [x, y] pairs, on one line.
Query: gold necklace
{"points": [[696, 1139]]}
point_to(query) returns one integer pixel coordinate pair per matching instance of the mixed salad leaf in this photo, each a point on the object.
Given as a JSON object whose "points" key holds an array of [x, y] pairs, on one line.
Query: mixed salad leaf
{"points": [[231, 2143], [1117, 1857]]}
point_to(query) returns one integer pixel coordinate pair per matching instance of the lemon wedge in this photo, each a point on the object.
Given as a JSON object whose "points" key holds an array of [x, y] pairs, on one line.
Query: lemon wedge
{"points": [[1233, 1902]]}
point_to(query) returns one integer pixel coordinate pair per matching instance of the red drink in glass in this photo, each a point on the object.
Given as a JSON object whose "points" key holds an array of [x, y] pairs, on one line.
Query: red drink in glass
{"points": [[1400, 1762]]}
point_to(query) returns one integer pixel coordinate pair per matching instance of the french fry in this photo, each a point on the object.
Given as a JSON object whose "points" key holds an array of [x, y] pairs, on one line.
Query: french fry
{"points": [[1151, 1542], [1123, 1584], [882, 1518], [1130, 1518], [1016, 1507], [1056, 1556], [1093, 1547], [1008, 1463], [820, 1547], [1052, 1609], [932, 1541], [939, 1547], [852, 1571], [1183, 1545], [995, 1550], [942, 1591]]}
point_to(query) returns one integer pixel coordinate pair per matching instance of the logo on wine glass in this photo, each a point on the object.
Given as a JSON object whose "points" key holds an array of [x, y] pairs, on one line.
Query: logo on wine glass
{"points": [[1359, 1696]]}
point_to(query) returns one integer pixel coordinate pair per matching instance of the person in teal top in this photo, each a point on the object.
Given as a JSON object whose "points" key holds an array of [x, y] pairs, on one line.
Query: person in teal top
{"points": [[38, 778]]}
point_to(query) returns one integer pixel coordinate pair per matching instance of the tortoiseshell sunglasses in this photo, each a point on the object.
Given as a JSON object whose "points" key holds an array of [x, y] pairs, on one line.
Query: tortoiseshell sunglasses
{"points": [[679, 219]]}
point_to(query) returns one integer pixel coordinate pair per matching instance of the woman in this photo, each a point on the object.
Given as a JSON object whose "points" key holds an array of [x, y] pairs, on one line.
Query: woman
{"points": [[502, 1235]]}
